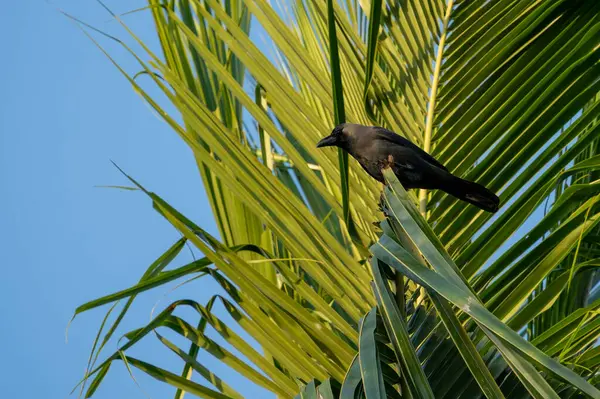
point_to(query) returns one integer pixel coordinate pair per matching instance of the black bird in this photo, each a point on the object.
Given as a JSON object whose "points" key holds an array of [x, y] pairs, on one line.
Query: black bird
{"points": [[375, 148]]}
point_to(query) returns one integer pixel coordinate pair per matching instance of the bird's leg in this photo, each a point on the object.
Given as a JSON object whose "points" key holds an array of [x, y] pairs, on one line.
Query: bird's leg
{"points": [[381, 207], [382, 201], [386, 164]]}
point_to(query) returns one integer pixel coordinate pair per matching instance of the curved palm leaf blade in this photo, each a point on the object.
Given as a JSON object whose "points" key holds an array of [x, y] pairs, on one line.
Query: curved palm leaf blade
{"points": [[456, 304]]}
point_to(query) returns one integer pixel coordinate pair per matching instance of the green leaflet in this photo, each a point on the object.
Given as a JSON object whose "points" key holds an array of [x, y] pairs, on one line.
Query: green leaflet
{"points": [[175, 380], [369, 359], [403, 348], [352, 381], [374, 27]]}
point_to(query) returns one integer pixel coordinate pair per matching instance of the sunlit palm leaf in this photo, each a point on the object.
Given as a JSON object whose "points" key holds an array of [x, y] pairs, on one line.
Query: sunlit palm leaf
{"points": [[502, 92]]}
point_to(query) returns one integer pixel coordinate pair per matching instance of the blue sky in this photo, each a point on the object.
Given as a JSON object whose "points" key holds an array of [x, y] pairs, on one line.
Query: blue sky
{"points": [[65, 112]]}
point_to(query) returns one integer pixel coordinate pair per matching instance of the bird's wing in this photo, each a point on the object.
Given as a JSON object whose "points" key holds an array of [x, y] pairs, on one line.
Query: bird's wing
{"points": [[387, 135]]}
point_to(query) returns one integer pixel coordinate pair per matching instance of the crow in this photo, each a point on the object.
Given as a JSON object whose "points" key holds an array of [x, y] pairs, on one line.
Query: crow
{"points": [[376, 148]]}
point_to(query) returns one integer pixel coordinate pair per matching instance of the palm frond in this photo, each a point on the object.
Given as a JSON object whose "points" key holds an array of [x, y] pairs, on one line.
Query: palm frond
{"points": [[450, 301]]}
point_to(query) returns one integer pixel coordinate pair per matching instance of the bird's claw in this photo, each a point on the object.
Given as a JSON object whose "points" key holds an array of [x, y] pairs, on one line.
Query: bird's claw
{"points": [[382, 202], [387, 163]]}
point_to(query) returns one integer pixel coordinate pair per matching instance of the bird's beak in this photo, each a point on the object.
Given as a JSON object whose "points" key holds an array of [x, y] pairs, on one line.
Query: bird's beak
{"points": [[327, 141]]}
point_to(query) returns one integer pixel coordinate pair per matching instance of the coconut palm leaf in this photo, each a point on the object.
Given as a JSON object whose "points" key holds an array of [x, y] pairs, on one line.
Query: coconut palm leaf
{"points": [[451, 301]]}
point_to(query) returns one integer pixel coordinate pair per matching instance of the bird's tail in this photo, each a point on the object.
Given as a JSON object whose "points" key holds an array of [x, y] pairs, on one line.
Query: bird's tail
{"points": [[471, 192]]}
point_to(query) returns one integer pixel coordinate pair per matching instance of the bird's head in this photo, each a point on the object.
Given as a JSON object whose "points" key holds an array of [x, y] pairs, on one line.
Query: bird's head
{"points": [[340, 136]]}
